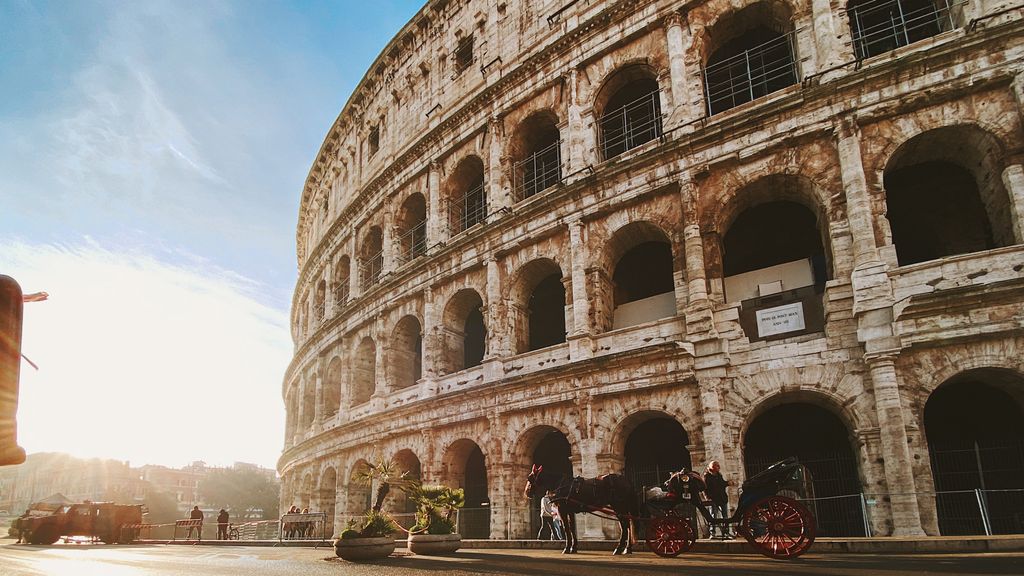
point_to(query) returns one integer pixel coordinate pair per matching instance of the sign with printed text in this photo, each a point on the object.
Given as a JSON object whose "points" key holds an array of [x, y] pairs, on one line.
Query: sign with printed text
{"points": [[781, 319]]}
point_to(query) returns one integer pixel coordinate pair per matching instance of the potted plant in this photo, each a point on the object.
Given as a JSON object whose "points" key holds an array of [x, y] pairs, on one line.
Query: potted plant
{"points": [[434, 532], [372, 536]]}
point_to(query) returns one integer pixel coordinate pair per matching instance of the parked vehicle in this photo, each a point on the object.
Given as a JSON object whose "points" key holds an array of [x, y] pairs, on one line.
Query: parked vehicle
{"points": [[110, 523]]}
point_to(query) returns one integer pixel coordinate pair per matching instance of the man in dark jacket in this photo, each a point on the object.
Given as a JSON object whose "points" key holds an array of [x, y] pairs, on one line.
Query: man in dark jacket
{"points": [[716, 485], [196, 514], [222, 525]]}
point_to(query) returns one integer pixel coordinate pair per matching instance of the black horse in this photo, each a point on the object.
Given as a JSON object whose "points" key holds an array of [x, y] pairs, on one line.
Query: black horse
{"points": [[610, 494]]}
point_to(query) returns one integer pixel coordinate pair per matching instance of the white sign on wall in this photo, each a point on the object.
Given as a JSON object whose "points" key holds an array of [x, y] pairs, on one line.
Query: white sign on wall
{"points": [[781, 319]]}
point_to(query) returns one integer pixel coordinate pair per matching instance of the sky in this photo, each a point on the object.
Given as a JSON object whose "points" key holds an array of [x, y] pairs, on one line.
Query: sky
{"points": [[152, 158]]}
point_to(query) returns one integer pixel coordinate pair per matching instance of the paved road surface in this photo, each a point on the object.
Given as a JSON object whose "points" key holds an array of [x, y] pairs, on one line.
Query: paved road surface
{"points": [[102, 560]]}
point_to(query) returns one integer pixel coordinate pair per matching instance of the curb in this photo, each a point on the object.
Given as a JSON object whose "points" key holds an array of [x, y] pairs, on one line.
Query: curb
{"points": [[886, 545]]}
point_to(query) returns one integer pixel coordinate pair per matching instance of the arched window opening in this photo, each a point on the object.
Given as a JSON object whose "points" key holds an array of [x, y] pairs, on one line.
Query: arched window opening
{"points": [[547, 313], [821, 442], [879, 26], [753, 54], [465, 334], [308, 405], [360, 495], [412, 229], [467, 469], [328, 499], [643, 286], [408, 463], [554, 453], [536, 153], [332, 389], [776, 268], [320, 301], [364, 372], [944, 195], [467, 198], [342, 282], [654, 449], [406, 354], [371, 259], [630, 106], [306, 497], [974, 424]]}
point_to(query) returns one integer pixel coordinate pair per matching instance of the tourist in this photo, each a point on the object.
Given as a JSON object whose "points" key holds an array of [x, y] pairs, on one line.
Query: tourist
{"points": [[716, 485], [547, 518], [222, 524], [196, 514]]}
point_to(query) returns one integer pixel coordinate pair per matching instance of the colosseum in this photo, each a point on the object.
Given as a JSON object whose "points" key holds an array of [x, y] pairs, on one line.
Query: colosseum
{"points": [[637, 235]]}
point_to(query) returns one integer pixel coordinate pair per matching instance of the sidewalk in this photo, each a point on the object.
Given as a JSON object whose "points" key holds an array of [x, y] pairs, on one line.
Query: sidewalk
{"points": [[882, 545]]}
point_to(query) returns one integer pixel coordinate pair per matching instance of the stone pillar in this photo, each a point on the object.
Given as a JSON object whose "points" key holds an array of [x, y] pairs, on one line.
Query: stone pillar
{"points": [[329, 291], [1013, 181], [699, 315], [492, 311], [899, 477], [711, 412], [825, 35], [497, 197], [577, 156], [390, 252], [676, 65], [858, 201], [318, 400], [435, 215], [580, 343]]}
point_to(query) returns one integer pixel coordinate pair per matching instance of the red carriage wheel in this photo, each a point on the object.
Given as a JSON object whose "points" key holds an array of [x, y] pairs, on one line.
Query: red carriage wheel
{"points": [[778, 527], [669, 536]]}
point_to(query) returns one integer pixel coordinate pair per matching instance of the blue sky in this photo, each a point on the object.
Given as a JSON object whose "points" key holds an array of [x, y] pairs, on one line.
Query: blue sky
{"points": [[152, 156]]}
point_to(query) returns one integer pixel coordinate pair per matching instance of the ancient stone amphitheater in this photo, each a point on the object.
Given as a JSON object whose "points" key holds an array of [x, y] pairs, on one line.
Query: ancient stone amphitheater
{"points": [[639, 235]]}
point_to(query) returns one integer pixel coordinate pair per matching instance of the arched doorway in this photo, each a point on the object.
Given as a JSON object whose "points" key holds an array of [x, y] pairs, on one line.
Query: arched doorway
{"points": [[467, 469], [405, 367], [465, 333], [467, 199], [537, 306], [328, 499], [643, 285], [360, 494], [408, 463], [535, 155], [974, 423], [655, 448], [554, 453], [630, 110], [821, 442]]}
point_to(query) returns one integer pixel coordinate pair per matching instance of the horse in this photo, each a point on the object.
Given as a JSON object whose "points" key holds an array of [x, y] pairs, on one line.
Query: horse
{"points": [[612, 494]]}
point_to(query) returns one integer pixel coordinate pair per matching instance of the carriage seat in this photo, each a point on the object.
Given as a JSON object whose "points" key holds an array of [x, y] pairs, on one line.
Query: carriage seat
{"points": [[774, 475]]}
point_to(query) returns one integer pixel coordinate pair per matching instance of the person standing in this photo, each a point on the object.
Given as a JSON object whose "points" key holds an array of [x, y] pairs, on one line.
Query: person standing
{"points": [[197, 522], [222, 524], [547, 519], [716, 485]]}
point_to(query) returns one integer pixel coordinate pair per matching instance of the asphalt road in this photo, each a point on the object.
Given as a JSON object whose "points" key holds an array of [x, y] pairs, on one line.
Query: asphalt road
{"points": [[102, 560]]}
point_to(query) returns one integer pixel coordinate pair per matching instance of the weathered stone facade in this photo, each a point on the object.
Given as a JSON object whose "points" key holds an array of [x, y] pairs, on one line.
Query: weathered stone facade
{"points": [[430, 240]]}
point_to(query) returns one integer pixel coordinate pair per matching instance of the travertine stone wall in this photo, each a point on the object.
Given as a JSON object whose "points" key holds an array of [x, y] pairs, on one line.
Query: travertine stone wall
{"points": [[892, 333]]}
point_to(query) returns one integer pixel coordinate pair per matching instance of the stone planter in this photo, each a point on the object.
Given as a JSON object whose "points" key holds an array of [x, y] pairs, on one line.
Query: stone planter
{"points": [[357, 549], [434, 544]]}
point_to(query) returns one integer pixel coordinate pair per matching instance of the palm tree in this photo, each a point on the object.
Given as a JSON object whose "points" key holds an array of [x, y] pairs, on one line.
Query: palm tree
{"points": [[386, 473]]}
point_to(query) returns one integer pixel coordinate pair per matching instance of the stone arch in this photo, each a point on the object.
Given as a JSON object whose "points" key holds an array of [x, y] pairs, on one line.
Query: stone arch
{"points": [[360, 495], [974, 428], [465, 465], [411, 225], [308, 398], [535, 153], [628, 109], [332, 388], [639, 281], [405, 356], [342, 280], [328, 496], [364, 371], [464, 332], [465, 194], [320, 301], [306, 494], [407, 462], [812, 427], [748, 52], [945, 194], [875, 31], [537, 304], [371, 258]]}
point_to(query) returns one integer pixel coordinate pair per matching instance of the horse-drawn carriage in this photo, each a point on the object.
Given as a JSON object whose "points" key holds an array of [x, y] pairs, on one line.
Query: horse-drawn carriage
{"points": [[774, 523]]}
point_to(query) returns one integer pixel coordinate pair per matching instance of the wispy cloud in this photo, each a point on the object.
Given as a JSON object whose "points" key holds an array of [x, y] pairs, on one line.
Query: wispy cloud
{"points": [[145, 361]]}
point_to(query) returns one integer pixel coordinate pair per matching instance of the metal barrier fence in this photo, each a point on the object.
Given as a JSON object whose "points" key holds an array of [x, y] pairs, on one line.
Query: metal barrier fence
{"points": [[752, 73], [304, 526], [635, 123], [412, 244], [467, 210], [370, 269], [879, 26], [537, 172]]}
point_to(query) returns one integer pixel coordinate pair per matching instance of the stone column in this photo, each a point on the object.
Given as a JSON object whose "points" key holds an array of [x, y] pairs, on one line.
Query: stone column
{"points": [[435, 215], [1013, 181], [825, 35], [711, 411], [899, 477], [858, 201], [580, 342], [676, 61], [575, 158], [318, 400], [492, 311], [329, 291], [390, 253], [699, 315], [497, 198]]}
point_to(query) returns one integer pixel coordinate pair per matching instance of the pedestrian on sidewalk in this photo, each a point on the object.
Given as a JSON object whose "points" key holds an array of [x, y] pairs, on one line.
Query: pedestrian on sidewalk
{"points": [[197, 525], [716, 485], [222, 524], [547, 519]]}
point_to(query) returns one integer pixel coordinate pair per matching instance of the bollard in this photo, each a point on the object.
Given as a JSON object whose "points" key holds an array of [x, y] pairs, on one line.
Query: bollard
{"points": [[10, 370]]}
